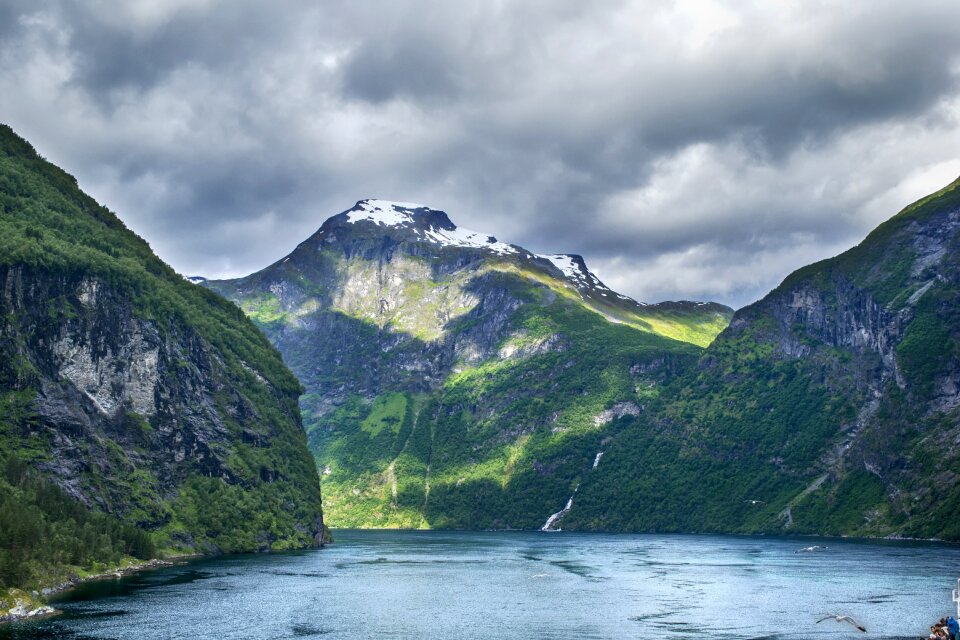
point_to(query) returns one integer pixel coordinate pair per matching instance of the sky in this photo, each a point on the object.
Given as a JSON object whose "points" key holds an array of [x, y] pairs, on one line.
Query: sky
{"points": [[698, 150]]}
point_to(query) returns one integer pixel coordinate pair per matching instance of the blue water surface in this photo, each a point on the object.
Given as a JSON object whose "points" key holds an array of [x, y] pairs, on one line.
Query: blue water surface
{"points": [[408, 584]]}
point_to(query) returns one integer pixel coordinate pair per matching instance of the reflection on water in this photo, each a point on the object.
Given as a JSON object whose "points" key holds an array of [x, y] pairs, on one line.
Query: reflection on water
{"points": [[391, 584]]}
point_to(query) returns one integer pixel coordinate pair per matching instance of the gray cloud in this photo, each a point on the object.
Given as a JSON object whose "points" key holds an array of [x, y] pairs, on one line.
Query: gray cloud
{"points": [[688, 150]]}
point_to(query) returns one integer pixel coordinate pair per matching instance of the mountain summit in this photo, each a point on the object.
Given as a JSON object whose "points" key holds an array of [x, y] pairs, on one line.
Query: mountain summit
{"points": [[374, 228], [420, 223], [446, 369], [414, 222]]}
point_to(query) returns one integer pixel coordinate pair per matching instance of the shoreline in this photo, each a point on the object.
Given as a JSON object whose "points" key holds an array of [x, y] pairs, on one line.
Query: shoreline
{"points": [[17, 605], [816, 536], [20, 604]]}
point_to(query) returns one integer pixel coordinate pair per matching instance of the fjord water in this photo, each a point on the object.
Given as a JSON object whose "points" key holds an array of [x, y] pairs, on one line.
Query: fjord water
{"points": [[405, 584]]}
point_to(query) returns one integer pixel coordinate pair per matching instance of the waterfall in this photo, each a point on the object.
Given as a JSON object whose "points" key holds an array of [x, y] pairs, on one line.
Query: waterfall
{"points": [[596, 460], [552, 520], [555, 518]]}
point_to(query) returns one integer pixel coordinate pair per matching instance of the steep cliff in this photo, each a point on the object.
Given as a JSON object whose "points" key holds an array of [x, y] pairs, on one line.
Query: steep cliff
{"points": [[454, 380], [829, 406], [133, 392]]}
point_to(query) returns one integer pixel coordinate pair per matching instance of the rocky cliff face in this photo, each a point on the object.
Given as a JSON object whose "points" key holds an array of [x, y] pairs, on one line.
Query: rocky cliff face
{"points": [[451, 378], [138, 393], [877, 304], [834, 399]]}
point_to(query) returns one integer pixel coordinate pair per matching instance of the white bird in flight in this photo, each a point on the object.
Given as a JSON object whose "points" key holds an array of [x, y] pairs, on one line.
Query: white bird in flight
{"points": [[840, 618]]}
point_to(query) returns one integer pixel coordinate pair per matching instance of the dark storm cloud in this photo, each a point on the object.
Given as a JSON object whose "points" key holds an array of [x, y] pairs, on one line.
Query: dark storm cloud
{"points": [[697, 149]]}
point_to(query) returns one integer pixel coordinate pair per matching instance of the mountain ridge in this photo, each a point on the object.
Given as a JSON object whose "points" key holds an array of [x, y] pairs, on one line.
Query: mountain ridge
{"points": [[374, 222]]}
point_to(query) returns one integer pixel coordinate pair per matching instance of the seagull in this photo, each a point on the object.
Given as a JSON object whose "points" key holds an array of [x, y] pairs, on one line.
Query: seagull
{"points": [[755, 501], [815, 547], [840, 618]]}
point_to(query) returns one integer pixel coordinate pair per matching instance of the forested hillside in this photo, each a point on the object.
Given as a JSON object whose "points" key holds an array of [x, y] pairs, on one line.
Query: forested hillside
{"points": [[139, 413], [830, 406]]}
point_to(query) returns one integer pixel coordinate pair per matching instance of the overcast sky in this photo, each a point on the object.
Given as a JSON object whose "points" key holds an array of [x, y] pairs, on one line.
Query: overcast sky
{"points": [[689, 150]]}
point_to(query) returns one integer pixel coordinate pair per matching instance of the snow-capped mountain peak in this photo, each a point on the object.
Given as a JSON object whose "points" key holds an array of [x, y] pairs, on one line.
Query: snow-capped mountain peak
{"points": [[426, 223], [421, 223], [384, 212]]}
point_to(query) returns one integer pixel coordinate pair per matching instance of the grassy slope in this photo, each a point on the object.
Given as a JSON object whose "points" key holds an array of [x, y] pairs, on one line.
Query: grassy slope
{"points": [[49, 226], [500, 443], [691, 322]]}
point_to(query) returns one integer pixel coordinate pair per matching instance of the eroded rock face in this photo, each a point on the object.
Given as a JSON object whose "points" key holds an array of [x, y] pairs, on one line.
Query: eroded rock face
{"points": [[380, 318], [119, 400], [115, 380], [875, 328], [618, 410]]}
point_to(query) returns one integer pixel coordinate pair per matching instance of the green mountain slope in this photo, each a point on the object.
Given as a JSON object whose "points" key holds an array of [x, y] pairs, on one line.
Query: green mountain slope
{"points": [[131, 400], [453, 380], [832, 402]]}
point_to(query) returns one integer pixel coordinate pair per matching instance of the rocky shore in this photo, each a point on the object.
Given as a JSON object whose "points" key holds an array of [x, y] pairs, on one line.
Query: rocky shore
{"points": [[17, 604]]}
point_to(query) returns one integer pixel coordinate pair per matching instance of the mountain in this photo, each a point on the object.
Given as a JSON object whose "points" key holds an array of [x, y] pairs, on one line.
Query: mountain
{"points": [[831, 406], [139, 413], [453, 380]]}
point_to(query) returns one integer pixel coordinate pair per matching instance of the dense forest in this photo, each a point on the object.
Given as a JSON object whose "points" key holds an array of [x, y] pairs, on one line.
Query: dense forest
{"points": [[45, 535]]}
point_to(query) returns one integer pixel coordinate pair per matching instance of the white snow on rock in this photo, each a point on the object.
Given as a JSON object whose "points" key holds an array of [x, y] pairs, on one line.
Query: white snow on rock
{"points": [[577, 273], [473, 239], [566, 264], [384, 212], [401, 214]]}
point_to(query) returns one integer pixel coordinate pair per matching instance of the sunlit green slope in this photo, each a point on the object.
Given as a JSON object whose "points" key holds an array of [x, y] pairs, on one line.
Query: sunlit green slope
{"points": [[453, 380]]}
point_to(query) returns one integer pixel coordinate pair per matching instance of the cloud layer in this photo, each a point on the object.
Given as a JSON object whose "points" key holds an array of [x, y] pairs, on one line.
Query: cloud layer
{"points": [[692, 149]]}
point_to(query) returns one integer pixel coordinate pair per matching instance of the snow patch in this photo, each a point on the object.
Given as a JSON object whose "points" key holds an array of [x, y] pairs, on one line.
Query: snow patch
{"points": [[459, 237], [401, 214], [582, 278], [566, 264], [384, 212]]}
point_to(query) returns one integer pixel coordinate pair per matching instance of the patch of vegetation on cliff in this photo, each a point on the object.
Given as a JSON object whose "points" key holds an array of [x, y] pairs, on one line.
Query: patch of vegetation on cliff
{"points": [[48, 223], [47, 536]]}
